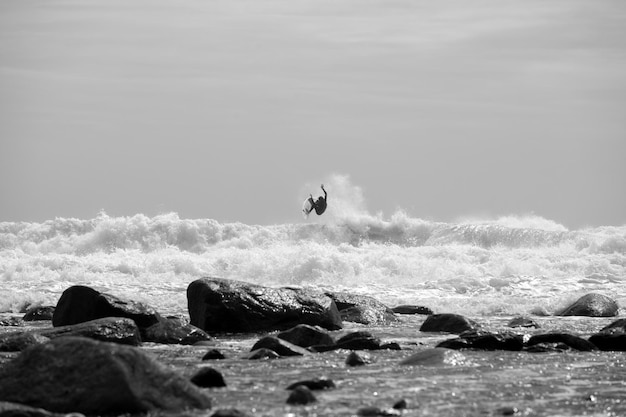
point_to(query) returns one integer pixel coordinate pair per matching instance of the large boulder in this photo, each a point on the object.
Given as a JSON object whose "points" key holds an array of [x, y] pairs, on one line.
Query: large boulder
{"points": [[79, 304], [220, 305], [109, 329], [362, 309], [591, 305], [75, 374]]}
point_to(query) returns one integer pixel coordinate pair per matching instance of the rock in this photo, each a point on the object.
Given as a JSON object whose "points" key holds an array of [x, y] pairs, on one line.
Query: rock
{"points": [[376, 412], [572, 341], [591, 305], [451, 323], [110, 329], [15, 342], [412, 309], [434, 357], [360, 340], [75, 374], [8, 409], [221, 305], [401, 405], [304, 335], [262, 353], [522, 322], [354, 359], [39, 313], [173, 331], [213, 354], [485, 341], [208, 377], [230, 412], [611, 337], [280, 346], [362, 309], [79, 304], [314, 384], [301, 395]]}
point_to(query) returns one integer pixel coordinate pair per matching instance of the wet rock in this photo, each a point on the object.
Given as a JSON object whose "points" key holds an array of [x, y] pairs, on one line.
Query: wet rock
{"points": [[208, 377], [506, 411], [110, 329], [480, 340], [304, 335], [262, 353], [362, 309], [355, 359], [412, 309], [221, 305], [230, 412], [213, 354], [592, 305], [16, 342], [41, 313], [451, 323], [434, 357], [574, 342], [79, 304], [360, 340], [523, 322], [75, 374], [314, 384], [301, 395], [280, 346], [174, 331], [611, 337], [8, 409], [401, 405]]}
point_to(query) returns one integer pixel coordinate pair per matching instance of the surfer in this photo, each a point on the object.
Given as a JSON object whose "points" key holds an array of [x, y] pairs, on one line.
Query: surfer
{"points": [[320, 204]]}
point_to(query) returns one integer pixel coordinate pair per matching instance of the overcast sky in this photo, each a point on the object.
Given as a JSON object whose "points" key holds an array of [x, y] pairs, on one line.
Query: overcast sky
{"points": [[237, 109]]}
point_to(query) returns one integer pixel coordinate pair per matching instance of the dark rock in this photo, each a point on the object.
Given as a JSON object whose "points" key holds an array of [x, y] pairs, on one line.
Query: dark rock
{"points": [[280, 346], [15, 342], [506, 411], [451, 323], [362, 309], [361, 340], [75, 374], [213, 354], [301, 395], [412, 309], [523, 322], [314, 384], [304, 335], [230, 412], [591, 305], [354, 359], [547, 348], [262, 353], [8, 409], [12, 322], [434, 357], [611, 337], [486, 341], [39, 313], [574, 342], [79, 304], [173, 331], [401, 405], [221, 305], [208, 377], [390, 346], [110, 329]]}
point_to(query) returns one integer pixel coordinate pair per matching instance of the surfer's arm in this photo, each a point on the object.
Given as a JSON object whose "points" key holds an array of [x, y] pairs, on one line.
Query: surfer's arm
{"points": [[325, 194]]}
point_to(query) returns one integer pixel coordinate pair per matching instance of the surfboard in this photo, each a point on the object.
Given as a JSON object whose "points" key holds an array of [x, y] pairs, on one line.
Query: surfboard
{"points": [[307, 206]]}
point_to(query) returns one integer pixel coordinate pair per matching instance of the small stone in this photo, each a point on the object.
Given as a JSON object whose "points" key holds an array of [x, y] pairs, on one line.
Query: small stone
{"points": [[208, 378], [229, 412], [400, 405], [213, 354], [314, 384], [354, 359], [301, 395], [262, 353], [506, 411]]}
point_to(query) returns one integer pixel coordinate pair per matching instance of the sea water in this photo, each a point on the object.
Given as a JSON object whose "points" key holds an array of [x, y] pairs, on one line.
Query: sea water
{"points": [[489, 270]]}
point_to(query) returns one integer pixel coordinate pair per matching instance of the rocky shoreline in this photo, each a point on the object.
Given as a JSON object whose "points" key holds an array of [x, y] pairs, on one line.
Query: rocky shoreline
{"points": [[109, 342]]}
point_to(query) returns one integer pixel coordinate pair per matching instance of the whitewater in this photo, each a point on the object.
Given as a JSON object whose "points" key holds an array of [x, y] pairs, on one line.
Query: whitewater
{"points": [[498, 267]]}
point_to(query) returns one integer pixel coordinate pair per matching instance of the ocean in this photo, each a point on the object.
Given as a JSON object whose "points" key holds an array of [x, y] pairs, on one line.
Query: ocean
{"points": [[506, 266], [488, 270]]}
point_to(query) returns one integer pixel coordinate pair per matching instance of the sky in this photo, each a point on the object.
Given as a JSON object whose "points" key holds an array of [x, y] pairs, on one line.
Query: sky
{"points": [[236, 110]]}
